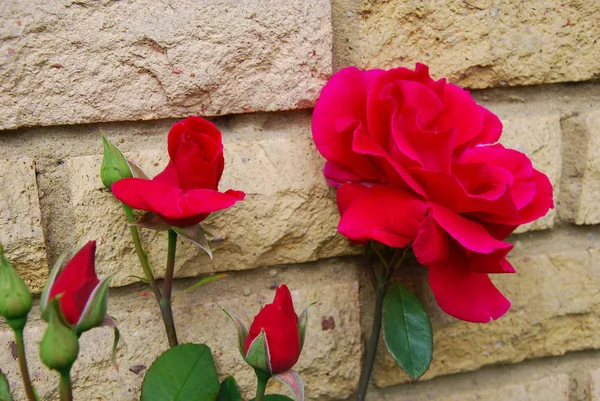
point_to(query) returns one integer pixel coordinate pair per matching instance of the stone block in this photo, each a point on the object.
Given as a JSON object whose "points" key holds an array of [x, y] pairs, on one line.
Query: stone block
{"points": [[328, 364], [21, 232], [483, 43], [537, 133], [555, 388], [289, 214], [86, 61], [580, 202], [594, 385], [555, 309]]}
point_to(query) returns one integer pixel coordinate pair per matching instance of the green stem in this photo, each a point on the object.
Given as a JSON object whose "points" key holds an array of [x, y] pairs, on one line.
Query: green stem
{"points": [[142, 256], [165, 301], [262, 378], [367, 368], [66, 392], [23, 363]]}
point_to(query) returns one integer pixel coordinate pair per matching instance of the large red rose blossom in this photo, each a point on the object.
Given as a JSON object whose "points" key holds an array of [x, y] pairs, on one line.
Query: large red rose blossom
{"points": [[416, 163], [186, 191]]}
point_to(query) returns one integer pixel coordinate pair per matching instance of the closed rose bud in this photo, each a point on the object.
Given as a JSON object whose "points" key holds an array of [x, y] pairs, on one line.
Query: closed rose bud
{"points": [[59, 346], [114, 165], [83, 297], [15, 297], [280, 325]]}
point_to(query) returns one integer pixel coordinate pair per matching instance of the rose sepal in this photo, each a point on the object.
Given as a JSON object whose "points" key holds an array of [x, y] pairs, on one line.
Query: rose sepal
{"points": [[291, 379], [302, 324], [151, 221], [60, 345], [56, 269], [197, 235], [95, 311], [258, 353], [242, 331]]}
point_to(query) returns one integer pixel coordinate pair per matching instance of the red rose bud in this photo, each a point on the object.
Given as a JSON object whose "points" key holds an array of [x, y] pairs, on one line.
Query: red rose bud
{"points": [[114, 165], [186, 191], [15, 297], [59, 346], [83, 297], [276, 325]]}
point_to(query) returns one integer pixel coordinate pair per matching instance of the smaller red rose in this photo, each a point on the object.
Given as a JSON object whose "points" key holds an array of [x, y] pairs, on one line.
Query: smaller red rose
{"points": [[280, 323], [186, 191], [76, 282]]}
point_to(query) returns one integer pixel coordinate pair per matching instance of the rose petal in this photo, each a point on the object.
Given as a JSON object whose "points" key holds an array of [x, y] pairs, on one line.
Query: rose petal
{"points": [[431, 244], [468, 233], [340, 111], [542, 200], [381, 213], [462, 113], [464, 294], [170, 201]]}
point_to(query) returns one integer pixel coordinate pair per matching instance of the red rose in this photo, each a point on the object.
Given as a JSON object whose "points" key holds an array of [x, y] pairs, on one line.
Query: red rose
{"points": [[186, 191], [280, 323], [75, 283], [416, 164]]}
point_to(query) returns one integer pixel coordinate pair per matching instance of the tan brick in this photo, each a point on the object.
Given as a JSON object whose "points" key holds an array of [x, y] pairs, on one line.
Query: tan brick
{"points": [[555, 388], [555, 309], [580, 203], [21, 232], [594, 385], [536, 132], [482, 43], [289, 215], [67, 63], [328, 364]]}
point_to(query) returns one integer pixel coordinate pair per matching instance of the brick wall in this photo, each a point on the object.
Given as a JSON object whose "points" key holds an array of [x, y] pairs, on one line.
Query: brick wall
{"points": [[70, 69]]}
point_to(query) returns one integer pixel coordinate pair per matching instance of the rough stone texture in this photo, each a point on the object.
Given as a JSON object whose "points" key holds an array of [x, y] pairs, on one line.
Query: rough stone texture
{"points": [[555, 388], [70, 62], [328, 363], [484, 43], [581, 181], [555, 309], [21, 232], [289, 215], [346, 36], [537, 133], [594, 385]]}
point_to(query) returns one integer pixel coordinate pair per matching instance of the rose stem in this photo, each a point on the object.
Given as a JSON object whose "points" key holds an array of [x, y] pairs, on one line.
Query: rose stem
{"points": [[365, 374], [18, 330], [166, 313], [165, 301], [261, 384], [66, 392]]}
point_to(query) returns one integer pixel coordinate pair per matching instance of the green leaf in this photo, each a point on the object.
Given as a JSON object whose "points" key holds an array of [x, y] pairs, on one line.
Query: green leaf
{"points": [[229, 390], [4, 388], [184, 373], [275, 397], [197, 284], [407, 331], [197, 235]]}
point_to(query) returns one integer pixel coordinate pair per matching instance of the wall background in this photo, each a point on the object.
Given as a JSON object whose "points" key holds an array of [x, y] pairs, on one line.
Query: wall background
{"points": [[70, 69]]}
